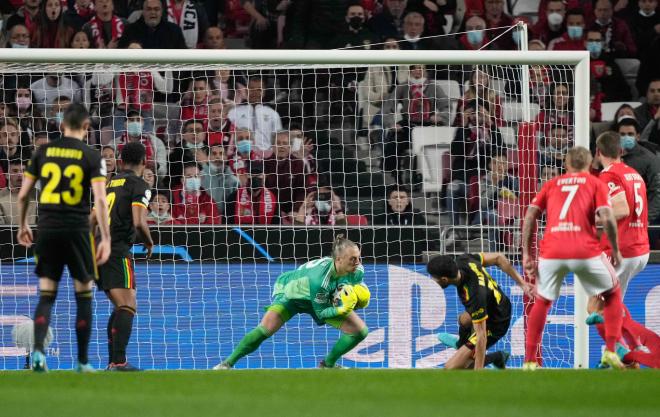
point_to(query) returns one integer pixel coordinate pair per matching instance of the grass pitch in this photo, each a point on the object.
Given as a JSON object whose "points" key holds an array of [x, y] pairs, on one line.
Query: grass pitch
{"points": [[317, 393]]}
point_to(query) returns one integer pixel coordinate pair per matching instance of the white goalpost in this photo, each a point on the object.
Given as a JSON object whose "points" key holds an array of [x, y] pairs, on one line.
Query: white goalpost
{"points": [[208, 283]]}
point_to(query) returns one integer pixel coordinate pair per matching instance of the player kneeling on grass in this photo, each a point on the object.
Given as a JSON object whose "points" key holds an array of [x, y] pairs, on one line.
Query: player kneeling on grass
{"points": [[128, 199], [311, 289], [489, 308]]}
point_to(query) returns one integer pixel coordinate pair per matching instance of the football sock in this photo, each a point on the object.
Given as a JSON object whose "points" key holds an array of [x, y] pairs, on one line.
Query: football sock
{"points": [[613, 315], [42, 318], [122, 326], [492, 357], [248, 344], [344, 345], [83, 323], [109, 333], [535, 325]]}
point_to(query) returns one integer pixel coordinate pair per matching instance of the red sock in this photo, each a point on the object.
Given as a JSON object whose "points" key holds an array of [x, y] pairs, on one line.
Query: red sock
{"points": [[535, 325], [600, 327], [613, 315]]}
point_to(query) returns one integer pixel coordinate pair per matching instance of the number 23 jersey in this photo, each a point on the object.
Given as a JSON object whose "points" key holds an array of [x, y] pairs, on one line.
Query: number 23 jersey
{"points": [[65, 169], [571, 201]]}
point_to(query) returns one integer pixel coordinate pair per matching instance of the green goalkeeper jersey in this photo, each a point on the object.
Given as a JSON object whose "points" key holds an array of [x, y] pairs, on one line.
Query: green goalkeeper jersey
{"points": [[315, 281]]}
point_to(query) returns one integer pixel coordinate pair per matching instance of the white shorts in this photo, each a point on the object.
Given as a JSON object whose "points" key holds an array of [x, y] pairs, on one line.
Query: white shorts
{"points": [[596, 275], [629, 268]]}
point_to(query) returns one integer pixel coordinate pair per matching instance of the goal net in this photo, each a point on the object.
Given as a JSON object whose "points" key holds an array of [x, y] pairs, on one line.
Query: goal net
{"points": [[409, 153]]}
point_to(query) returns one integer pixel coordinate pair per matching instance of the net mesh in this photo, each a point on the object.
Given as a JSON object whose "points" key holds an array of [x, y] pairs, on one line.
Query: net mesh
{"points": [[406, 160]]}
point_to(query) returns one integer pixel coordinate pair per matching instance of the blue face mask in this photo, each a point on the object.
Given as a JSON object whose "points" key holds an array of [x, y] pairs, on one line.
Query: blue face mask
{"points": [[323, 206], [595, 49], [244, 146], [58, 117], [475, 37], [628, 142], [134, 128], [574, 32], [193, 184]]}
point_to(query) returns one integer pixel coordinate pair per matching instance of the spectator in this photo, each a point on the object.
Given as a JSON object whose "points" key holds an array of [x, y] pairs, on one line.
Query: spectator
{"points": [[81, 13], [159, 210], [266, 19], [243, 152], [554, 146], [617, 39], [479, 89], [574, 38], [355, 34], [191, 149], [191, 17], [495, 17], [150, 178], [18, 37], [220, 129], [10, 143], [54, 116], [49, 30], [389, 22], [547, 173], [302, 147], [649, 112], [81, 40], [152, 31], [551, 25], [473, 146], [24, 110], [558, 110], [9, 196], [214, 38], [26, 15], [624, 110], [645, 25], [217, 178], [191, 203], [252, 202], [399, 210], [40, 138], [228, 87], [254, 115], [156, 154], [285, 173], [110, 157], [314, 23], [413, 29], [235, 20], [434, 13], [643, 161], [105, 28], [423, 103], [321, 207], [194, 104], [52, 86]]}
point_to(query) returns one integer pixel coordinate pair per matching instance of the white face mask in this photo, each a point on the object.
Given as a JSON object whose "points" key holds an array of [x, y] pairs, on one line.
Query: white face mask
{"points": [[18, 45], [158, 217], [417, 81], [411, 39], [646, 14], [555, 19]]}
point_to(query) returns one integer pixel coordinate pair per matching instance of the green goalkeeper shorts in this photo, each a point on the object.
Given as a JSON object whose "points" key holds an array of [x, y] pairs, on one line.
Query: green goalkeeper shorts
{"points": [[286, 309]]}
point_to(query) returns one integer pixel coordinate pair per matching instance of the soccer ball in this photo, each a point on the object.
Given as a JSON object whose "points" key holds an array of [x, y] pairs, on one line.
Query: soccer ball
{"points": [[362, 292]]}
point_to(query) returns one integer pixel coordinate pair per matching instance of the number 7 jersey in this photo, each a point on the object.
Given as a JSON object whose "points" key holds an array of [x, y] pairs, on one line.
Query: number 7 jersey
{"points": [[571, 202], [65, 169]]}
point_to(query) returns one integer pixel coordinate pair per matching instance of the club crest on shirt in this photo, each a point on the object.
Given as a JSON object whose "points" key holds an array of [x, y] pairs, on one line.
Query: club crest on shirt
{"points": [[322, 297]]}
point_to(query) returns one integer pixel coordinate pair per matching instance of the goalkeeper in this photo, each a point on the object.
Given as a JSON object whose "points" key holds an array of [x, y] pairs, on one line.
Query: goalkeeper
{"points": [[309, 289]]}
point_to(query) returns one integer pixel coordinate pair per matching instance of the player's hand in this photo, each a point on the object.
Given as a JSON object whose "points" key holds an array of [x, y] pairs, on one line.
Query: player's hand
{"points": [[103, 252], [616, 258], [530, 266], [348, 299], [24, 236], [149, 246], [528, 289]]}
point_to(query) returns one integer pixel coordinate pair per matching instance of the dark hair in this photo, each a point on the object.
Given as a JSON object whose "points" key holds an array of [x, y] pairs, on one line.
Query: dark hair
{"points": [[188, 164], [609, 144], [191, 121], [133, 113], [340, 244], [576, 11], [16, 160], [442, 266], [75, 116], [628, 121], [133, 153], [398, 188]]}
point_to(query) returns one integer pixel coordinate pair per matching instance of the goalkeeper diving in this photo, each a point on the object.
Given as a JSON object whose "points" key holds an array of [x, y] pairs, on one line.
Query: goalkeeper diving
{"points": [[328, 289]]}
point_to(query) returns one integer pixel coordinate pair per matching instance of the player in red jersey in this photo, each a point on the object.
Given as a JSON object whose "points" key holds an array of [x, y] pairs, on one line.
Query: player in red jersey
{"points": [[570, 244]]}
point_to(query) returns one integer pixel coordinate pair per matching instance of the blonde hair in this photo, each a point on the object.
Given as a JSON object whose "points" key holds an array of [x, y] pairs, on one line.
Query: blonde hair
{"points": [[340, 245]]}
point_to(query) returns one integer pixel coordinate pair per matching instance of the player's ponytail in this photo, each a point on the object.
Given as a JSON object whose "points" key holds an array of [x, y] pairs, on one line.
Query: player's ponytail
{"points": [[340, 244]]}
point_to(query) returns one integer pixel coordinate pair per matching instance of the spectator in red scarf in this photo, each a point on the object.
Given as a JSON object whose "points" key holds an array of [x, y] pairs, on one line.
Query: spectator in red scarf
{"points": [[81, 12], [573, 39], [50, 30], [320, 207], [551, 23], [156, 153], [220, 128], [285, 173], [191, 203], [159, 210], [26, 15], [105, 28], [617, 38], [243, 152], [194, 104], [252, 202]]}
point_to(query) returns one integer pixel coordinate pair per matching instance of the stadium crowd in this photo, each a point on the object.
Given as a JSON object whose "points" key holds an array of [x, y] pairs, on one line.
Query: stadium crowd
{"points": [[241, 147]]}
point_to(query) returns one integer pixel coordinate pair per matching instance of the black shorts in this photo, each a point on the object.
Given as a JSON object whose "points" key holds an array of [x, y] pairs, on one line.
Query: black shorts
{"points": [[75, 249], [116, 273], [494, 331]]}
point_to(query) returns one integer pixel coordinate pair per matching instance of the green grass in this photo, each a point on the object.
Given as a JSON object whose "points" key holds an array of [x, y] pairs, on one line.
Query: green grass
{"points": [[298, 393]]}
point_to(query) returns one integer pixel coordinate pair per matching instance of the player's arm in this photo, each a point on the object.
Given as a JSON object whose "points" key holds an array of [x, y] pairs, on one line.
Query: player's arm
{"points": [[477, 307], [502, 262], [620, 206], [480, 346], [529, 223], [139, 213], [101, 210], [608, 220], [24, 232]]}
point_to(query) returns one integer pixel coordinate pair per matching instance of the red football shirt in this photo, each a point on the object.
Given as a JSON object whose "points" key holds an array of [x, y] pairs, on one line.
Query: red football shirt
{"points": [[633, 229], [571, 202]]}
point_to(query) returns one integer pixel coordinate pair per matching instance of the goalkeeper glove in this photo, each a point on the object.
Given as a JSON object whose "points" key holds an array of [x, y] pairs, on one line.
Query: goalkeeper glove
{"points": [[348, 300]]}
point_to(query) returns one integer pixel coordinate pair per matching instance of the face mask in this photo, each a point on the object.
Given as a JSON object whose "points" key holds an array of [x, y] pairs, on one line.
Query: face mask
{"points": [[134, 128], [23, 102], [411, 39], [193, 184], [256, 183], [322, 206], [642, 12], [555, 19], [475, 37], [244, 146], [58, 117], [516, 36], [574, 32], [355, 22], [296, 145], [190, 145], [417, 81], [628, 142], [595, 48], [158, 217], [18, 45], [603, 22]]}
